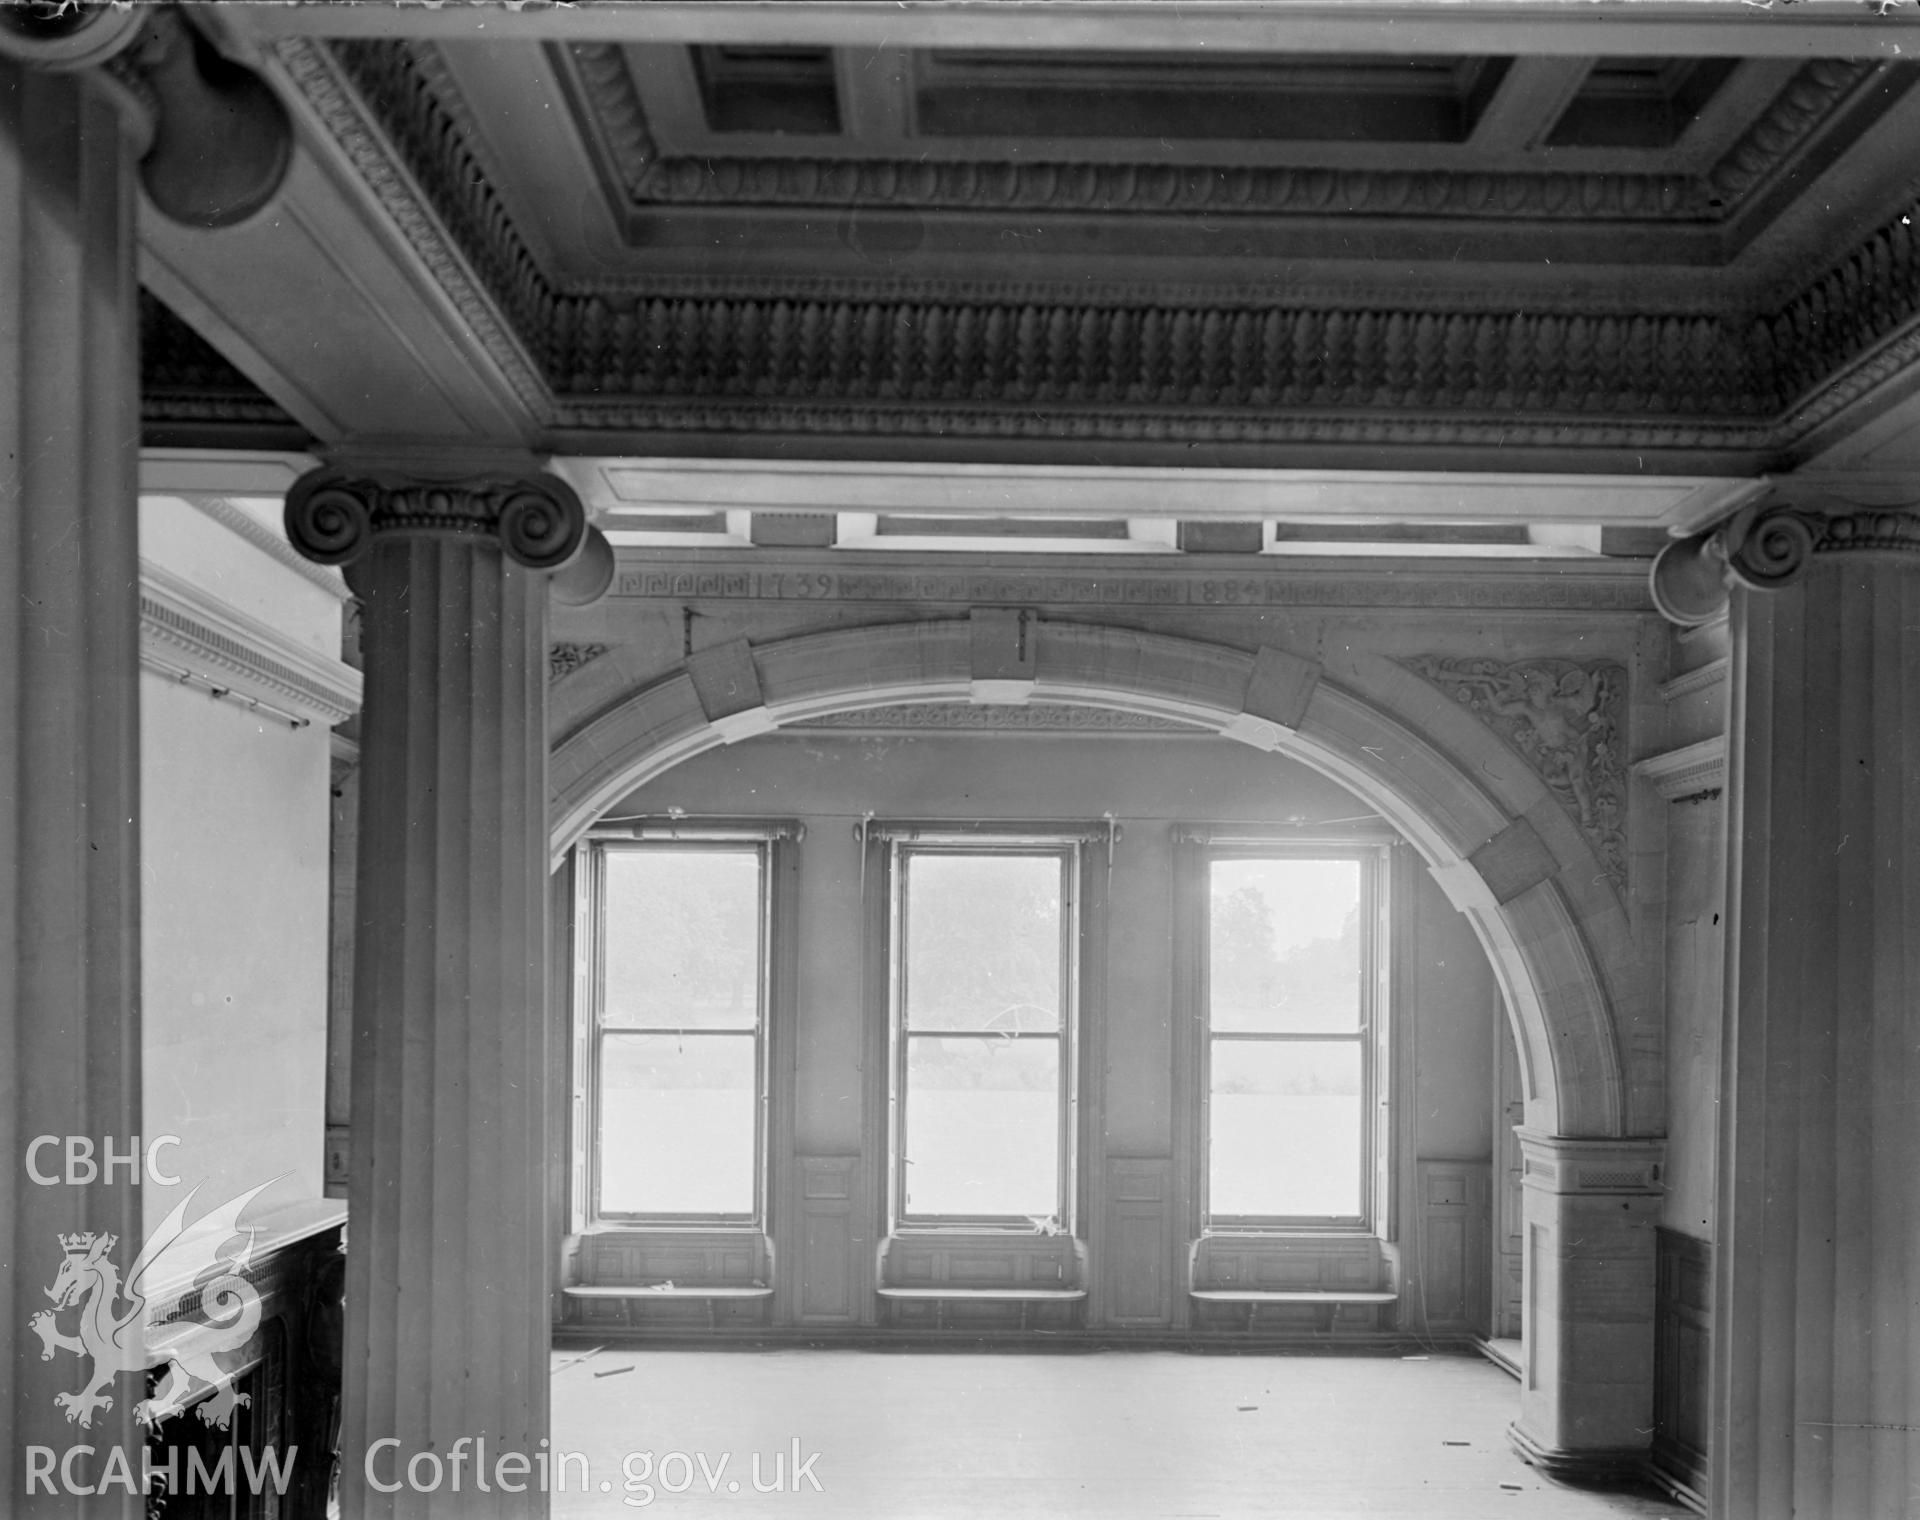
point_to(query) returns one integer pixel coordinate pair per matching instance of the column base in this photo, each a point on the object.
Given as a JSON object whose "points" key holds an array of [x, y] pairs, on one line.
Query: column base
{"points": [[1587, 1361], [1598, 1464]]}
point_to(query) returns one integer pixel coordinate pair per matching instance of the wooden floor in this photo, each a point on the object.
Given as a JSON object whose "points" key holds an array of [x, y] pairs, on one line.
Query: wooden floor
{"points": [[925, 1436]]}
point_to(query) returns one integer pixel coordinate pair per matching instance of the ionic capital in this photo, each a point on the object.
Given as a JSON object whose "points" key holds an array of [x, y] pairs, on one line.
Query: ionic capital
{"points": [[58, 37], [1767, 547], [214, 142], [335, 515]]}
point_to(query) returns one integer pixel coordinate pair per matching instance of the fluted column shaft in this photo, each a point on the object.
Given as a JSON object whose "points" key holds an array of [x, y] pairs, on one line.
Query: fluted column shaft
{"points": [[1816, 1320], [447, 1261], [69, 746]]}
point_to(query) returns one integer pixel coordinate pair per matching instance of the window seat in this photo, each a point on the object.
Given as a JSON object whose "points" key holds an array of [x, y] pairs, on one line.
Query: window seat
{"points": [[1069, 1290], [631, 1296], [629, 1269], [1227, 1268], [1294, 1295], [669, 1290]]}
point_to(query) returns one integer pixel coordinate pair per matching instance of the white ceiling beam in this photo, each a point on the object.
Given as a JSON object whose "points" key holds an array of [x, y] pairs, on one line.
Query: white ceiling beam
{"points": [[961, 490], [1668, 28], [1528, 102], [329, 302]]}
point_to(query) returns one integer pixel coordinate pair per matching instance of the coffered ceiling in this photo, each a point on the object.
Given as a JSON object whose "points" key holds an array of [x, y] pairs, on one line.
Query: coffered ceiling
{"points": [[1626, 237]]}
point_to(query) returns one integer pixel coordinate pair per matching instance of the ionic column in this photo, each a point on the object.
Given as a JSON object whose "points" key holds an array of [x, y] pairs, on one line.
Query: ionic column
{"points": [[1816, 1317], [69, 735], [447, 1262]]}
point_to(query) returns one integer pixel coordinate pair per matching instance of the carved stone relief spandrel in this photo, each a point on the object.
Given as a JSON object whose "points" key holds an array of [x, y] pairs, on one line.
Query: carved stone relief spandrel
{"points": [[1568, 719]]}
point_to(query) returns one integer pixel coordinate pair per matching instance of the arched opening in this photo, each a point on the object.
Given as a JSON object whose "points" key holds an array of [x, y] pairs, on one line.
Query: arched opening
{"points": [[1484, 824], [1459, 805]]}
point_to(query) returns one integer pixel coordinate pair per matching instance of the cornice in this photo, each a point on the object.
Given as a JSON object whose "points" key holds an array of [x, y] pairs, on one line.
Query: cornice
{"points": [[432, 191], [188, 634], [1255, 358], [1151, 364], [1305, 292], [1688, 771], [1059, 424]]}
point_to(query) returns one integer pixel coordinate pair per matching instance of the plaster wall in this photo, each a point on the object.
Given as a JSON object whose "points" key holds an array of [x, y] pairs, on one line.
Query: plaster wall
{"points": [[234, 897]]}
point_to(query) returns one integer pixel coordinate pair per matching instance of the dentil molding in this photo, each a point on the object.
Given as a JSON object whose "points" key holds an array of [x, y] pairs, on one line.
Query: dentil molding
{"points": [[189, 635]]}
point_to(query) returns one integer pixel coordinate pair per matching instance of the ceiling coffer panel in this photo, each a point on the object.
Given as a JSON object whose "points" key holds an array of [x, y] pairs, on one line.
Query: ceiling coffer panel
{"points": [[1279, 119]]}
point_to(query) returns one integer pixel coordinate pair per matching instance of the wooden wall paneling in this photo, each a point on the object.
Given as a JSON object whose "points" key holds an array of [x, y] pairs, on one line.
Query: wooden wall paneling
{"points": [[832, 1278], [1449, 1292], [1140, 1245], [1683, 1328]]}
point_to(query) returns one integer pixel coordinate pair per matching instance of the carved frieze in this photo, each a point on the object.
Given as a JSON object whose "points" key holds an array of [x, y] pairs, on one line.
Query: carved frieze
{"points": [[564, 659], [1569, 720], [820, 581]]}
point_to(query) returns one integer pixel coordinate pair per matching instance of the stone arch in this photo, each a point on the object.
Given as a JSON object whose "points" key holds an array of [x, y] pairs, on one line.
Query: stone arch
{"points": [[1484, 823]]}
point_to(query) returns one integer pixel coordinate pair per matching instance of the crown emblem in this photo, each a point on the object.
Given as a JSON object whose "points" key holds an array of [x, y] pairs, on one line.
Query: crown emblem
{"points": [[75, 1245]]}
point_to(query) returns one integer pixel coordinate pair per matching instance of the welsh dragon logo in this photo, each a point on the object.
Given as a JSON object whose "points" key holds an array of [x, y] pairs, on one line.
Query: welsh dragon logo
{"points": [[118, 1338]]}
